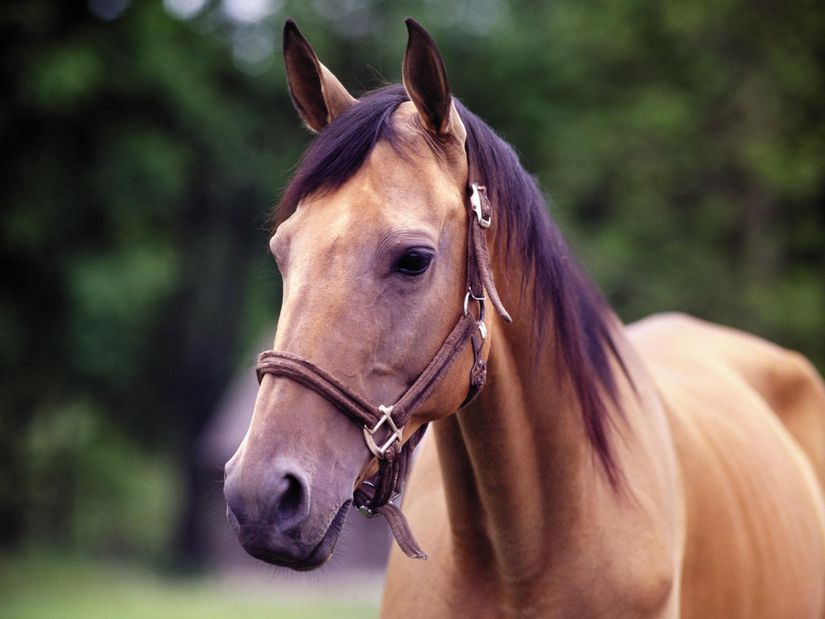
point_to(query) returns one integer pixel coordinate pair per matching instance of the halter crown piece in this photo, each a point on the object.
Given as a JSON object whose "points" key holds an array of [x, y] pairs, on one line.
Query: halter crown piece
{"points": [[383, 426]]}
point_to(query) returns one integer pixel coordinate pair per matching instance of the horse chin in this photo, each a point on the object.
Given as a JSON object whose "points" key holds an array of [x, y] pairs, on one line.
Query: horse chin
{"points": [[315, 558]]}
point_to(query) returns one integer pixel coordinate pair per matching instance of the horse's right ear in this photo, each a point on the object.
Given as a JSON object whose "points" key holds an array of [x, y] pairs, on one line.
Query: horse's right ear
{"points": [[316, 92]]}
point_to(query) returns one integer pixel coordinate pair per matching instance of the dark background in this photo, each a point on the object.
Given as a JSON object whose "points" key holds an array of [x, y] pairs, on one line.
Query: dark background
{"points": [[682, 146]]}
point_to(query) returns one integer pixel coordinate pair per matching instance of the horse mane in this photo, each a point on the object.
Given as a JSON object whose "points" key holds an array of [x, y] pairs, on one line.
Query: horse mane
{"points": [[579, 313]]}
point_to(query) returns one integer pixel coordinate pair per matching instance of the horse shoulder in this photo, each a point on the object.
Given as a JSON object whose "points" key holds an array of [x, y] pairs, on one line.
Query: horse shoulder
{"points": [[738, 408]]}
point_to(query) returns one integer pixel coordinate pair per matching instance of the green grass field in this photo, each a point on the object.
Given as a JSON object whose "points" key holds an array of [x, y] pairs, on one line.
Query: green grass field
{"points": [[43, 587]]}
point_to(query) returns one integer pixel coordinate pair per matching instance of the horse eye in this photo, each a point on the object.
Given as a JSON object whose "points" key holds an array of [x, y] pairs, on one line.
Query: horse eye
{"points": [[414, 261]]}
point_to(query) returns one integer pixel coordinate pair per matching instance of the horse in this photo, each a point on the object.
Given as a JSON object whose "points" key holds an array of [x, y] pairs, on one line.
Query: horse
{"points": [[668, 468]]}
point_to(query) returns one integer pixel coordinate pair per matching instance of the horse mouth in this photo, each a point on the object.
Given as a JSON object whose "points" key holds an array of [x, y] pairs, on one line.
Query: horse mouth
{"points": [[326, 547], [317, 556]]}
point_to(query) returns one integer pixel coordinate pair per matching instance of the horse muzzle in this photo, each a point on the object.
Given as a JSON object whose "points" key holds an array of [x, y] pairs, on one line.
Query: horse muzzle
{"points": [[274, 518]]}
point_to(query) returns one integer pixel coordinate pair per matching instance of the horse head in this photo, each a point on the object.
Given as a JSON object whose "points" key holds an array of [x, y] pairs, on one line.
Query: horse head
{"points": [[372, 246]]}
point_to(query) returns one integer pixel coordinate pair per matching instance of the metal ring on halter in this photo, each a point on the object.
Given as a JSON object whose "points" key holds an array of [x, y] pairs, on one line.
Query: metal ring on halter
{"points": [[478, 299], [482, 328], [396, 432]]}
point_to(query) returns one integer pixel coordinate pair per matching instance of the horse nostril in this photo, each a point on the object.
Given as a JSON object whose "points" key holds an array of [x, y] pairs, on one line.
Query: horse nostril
{"points": [[290, 503], [276, 498], [291, 498]]}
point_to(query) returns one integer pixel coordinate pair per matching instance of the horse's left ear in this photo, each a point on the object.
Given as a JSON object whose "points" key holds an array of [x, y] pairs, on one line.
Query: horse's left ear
{"points": [[425, 81], [316, 92]]}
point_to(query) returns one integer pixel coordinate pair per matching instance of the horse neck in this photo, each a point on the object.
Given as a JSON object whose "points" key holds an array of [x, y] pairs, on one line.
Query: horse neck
{"points": [[520, 476]]}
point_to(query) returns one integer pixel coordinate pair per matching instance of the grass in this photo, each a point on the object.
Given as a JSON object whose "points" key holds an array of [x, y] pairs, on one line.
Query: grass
{"points": [[44, 587]]}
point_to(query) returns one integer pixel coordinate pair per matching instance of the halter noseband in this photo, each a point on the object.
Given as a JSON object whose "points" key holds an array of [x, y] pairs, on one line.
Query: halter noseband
{"points": [[382, 425]]}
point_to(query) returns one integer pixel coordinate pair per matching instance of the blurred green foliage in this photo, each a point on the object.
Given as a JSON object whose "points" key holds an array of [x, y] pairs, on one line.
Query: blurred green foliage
{"points": [[682, 144], [90, 489]]}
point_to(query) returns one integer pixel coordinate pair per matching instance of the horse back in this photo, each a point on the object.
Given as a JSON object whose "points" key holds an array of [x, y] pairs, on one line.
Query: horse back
{"points": [[748, 424]]}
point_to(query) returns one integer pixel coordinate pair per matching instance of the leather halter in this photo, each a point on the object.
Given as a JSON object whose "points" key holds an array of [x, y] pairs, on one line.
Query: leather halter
{"points": [[383, 426]]}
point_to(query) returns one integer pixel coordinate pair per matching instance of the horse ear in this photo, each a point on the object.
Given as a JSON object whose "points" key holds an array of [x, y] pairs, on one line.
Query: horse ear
{"points": [[316, 92], [425, 81]]}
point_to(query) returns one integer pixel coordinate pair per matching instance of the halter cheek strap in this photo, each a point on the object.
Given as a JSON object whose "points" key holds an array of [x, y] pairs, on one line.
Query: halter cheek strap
{"points": [[383, 425]]}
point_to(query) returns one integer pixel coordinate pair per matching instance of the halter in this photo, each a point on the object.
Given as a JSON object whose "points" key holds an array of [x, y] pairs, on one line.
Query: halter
{"points": [[383, 426]]}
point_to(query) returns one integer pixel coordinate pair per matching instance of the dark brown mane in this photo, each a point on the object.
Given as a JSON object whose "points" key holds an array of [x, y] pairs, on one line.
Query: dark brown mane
{"points": [[579, 316]]}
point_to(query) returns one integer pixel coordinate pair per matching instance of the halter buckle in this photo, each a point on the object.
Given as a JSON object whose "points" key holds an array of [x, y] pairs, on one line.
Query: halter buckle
{"points": [[367, 511], [475, 204], [364, 510], [378, 452]]}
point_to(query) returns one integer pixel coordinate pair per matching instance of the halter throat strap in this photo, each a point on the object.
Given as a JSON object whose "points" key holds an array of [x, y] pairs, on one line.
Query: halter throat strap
{"points": [[383, 425]]}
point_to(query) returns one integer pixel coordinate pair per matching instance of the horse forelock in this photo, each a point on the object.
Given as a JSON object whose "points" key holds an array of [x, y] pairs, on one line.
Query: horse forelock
{"points": [[578, 315]]}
